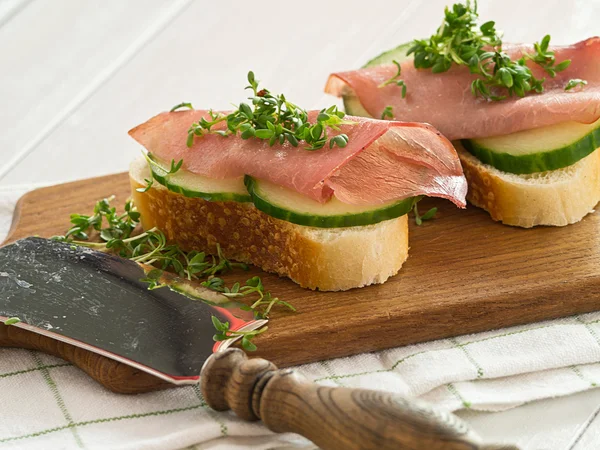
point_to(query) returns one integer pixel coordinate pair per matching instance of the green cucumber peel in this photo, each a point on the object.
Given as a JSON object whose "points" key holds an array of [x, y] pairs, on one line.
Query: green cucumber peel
{"points": [[536, 162], [396, 54], [374, 216], [170, 181]]}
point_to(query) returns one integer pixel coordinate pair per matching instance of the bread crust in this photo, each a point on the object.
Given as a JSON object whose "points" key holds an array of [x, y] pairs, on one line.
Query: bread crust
{"points": [[328, 259], [557, 198]]}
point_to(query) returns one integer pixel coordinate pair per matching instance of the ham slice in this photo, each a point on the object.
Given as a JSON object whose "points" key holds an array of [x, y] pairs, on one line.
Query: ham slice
{"points": [[445, 100], [383, 160]]}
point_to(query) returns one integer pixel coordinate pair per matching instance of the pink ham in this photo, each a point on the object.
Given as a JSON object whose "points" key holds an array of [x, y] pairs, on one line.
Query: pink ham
{"points": [[383, 160], [445, 100]]}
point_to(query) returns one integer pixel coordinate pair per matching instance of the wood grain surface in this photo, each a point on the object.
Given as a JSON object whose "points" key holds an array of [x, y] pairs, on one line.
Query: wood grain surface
{"points": [[465, 274]]}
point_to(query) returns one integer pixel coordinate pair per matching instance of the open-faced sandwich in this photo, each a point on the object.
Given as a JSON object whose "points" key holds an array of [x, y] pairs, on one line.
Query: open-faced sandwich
{"points": [[525, 119], [319, 197]]}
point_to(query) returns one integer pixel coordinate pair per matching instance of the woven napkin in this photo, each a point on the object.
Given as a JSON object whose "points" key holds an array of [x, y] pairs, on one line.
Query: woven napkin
{"points": [[47, 403]]}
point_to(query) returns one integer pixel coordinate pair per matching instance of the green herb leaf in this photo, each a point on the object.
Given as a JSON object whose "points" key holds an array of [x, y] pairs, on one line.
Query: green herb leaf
{"points": [[264, 134], [175, 166], [149, 183], [387, 113], [395, 79], [12, 321], [419, 219], [153, 279], [248, 345], [429, 214], [181, 105], [224, 333], [255, 282], [219, 326], [574, 83]]}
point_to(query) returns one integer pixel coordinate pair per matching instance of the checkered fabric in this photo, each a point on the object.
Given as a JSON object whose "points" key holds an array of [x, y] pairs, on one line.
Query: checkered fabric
{"points": [[47, 403]]}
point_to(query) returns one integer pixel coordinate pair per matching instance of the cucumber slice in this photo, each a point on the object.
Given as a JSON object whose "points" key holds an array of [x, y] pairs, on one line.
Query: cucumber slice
{"points": [[538, 150], [291, 206], [352, 104], [354, 107], [192, 185], [398, 54]]}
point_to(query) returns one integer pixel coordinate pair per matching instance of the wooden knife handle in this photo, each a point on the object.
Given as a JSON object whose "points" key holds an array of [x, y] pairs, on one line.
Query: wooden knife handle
{"points": [[334, 418], [113, 375]]}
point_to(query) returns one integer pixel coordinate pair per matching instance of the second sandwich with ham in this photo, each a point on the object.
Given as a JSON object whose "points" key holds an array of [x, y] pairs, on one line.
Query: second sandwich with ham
{"points": [[524, 119]]}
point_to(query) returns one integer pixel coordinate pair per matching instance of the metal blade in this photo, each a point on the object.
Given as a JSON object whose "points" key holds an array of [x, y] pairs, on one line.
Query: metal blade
{"points": [[96, 301]]}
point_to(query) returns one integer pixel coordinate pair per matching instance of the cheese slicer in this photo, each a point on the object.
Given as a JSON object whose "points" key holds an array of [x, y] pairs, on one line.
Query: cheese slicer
{"points": [[95, 311]]}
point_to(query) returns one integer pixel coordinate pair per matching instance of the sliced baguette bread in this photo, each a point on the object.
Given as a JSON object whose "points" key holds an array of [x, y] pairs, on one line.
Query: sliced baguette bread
{"points": [[328, 259], [557, 197]]}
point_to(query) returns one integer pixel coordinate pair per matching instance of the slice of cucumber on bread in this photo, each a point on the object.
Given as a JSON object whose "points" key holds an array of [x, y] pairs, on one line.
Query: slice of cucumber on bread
{"points": [[537, 150], [328, 259]]}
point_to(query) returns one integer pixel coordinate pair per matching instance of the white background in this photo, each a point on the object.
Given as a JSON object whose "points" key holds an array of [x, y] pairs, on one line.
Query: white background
{"points": [[75, 75]]}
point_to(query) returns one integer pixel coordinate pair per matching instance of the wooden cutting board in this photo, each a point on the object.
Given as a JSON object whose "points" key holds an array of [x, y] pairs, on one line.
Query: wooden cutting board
{"points": [[465, 274]]}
